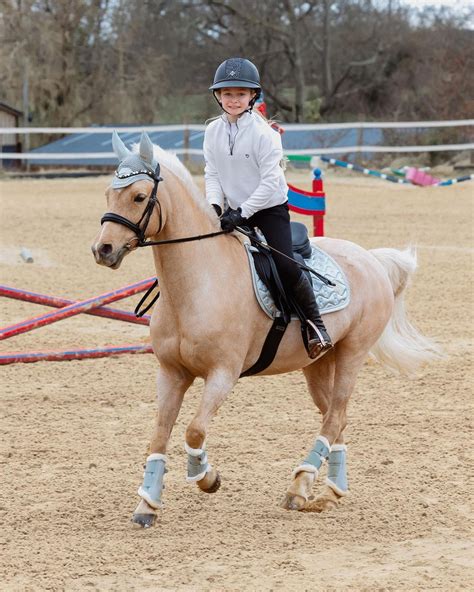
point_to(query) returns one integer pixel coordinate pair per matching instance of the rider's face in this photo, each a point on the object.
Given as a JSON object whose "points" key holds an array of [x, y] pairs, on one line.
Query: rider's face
{"points": [[236, 100]]}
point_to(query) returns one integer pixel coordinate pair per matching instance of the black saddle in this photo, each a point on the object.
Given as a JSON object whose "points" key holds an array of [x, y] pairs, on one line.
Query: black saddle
{"points": [[300, 240]]}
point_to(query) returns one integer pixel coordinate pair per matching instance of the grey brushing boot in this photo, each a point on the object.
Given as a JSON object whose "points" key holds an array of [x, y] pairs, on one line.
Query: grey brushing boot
{"points": [[318, 338]]}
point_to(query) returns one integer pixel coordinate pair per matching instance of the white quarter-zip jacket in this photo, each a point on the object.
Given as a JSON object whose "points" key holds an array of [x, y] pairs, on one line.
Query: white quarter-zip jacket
{"points": [[243, 164]]}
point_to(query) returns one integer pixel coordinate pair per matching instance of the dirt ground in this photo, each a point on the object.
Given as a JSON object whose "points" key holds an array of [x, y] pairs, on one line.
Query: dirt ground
{"points": [[74, 434]]}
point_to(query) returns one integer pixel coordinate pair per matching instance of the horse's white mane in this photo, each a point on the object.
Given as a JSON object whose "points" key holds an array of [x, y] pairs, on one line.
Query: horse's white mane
{"points": [[173, 164]]}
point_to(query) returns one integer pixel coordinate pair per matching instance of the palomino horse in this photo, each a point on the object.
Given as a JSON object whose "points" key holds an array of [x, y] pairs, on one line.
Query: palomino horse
{"points": [[208, 324]]}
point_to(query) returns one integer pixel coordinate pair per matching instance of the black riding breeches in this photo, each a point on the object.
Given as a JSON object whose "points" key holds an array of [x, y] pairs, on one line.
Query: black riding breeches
{"points": [[275, 224]]}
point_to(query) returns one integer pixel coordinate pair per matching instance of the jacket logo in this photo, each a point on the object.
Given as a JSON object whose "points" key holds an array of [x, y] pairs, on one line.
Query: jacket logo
{"points": [[247, 156]]}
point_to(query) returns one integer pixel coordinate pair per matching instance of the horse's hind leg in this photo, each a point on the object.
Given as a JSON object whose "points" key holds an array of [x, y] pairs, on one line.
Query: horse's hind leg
{"points": [[336, 483], [172, 383], [320, 380], [333, 405], [217, 386]]}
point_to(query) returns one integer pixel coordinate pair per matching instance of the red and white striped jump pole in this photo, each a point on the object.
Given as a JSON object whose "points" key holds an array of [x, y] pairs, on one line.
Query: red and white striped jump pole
{"points": [[73, 354], [56, 302], [74, 309]]}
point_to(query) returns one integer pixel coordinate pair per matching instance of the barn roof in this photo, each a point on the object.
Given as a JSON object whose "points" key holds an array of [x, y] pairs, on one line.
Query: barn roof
{"points": [[84, 143]]}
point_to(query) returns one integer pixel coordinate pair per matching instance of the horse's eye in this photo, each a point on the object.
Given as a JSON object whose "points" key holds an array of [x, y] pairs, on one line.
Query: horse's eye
{"points": [[139, 198]]}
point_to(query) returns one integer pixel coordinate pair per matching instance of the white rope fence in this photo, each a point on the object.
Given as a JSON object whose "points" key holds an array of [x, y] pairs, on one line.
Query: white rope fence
{"points": [[188, 128], [102, 130], [196, 151], [200, 128]]}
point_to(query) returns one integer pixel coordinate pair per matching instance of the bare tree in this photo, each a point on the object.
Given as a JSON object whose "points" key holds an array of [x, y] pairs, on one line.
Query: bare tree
{"points": [[277, 28], [137, 61]]}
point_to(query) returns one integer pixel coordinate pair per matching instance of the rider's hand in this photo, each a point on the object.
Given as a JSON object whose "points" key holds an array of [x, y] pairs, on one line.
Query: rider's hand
{"points": [[232, 218]]}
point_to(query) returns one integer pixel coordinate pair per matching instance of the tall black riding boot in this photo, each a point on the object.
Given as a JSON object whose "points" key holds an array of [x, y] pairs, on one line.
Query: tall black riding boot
{"points": [[318, 338]]}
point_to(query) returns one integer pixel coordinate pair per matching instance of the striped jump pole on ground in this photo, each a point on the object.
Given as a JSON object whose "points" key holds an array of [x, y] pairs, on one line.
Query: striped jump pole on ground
{"points": [[73, 354], [74, 309], [56, 302], [361, 169], [391, 178], [455, 181]]}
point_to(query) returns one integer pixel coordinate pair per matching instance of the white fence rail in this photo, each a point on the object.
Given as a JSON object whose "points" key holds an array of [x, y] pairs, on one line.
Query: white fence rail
{"points": [[105, 129], [196, 151], [201, 128], [182, 146]]}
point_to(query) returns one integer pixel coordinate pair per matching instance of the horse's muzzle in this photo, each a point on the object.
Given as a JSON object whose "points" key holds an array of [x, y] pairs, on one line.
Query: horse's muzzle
{"points": [[105, 254]]}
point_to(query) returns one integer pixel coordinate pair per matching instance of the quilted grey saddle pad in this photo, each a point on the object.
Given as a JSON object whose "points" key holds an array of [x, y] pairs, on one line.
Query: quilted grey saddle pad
{"points": [[329, 298]]}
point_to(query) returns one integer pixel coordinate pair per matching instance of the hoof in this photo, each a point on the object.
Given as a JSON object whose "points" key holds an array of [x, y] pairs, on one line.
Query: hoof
{"points": [[215, 486], [293, 502], [327, 500], [320, 505], [144, 520]]}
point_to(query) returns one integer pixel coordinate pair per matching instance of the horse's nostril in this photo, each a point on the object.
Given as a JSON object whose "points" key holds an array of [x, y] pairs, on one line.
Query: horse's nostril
{"points": [[105, 249]]}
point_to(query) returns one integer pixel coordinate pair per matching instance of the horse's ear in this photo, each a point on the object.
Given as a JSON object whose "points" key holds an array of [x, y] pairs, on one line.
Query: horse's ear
{"points": [[119, 147], [146, 149]]}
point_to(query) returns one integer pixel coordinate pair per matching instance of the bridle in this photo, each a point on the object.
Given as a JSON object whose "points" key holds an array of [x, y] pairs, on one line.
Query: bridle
{"points": [[140, 227]]}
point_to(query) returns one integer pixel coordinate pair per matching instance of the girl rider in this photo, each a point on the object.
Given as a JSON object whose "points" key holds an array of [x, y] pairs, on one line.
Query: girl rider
{"points": [[243, 155]]}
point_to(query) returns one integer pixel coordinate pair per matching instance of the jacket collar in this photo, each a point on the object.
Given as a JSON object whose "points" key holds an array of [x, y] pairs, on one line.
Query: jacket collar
{"points": [[244, 120]]}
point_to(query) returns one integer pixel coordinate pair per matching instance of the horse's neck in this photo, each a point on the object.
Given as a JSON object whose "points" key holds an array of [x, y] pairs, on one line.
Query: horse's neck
{"points": [[188, 268]]}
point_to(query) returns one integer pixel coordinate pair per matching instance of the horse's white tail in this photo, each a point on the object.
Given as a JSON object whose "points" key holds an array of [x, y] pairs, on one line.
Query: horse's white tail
{"points": [[402, 348]]}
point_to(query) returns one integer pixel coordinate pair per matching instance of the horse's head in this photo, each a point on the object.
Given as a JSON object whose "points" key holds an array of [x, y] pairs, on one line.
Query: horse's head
{"points": [[134, 212]]}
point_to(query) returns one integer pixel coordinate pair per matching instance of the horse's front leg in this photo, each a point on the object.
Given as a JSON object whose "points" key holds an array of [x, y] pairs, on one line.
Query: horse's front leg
{"points": [[217, 386], [172, 383]]}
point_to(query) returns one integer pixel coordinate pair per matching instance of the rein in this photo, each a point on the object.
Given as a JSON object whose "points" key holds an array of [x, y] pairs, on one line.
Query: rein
{"points": [[181, 240]]}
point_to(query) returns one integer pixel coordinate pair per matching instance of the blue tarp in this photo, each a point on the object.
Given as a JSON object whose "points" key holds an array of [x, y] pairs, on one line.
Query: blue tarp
{"points": [[172, 140]]}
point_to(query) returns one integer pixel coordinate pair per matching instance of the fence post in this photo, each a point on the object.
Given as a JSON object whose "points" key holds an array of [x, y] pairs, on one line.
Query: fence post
{"points": [[318, 190]]}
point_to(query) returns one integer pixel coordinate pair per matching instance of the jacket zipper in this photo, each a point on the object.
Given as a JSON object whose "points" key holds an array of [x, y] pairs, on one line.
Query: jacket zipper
{"points": [[232, 143]]}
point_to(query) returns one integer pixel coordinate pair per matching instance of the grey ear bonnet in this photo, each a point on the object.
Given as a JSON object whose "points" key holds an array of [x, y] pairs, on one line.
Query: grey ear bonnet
{"points": [[133, 166]]}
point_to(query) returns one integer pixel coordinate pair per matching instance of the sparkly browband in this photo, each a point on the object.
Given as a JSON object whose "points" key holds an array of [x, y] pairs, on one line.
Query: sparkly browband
{"points": [[133, 173]]}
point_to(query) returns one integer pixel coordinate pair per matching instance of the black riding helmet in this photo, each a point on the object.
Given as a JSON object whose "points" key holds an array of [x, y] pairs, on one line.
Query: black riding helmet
{"points": [[237, 73]]}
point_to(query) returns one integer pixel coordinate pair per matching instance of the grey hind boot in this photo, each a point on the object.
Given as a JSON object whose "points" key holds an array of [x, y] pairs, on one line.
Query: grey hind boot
{"points": [[318, 338]]}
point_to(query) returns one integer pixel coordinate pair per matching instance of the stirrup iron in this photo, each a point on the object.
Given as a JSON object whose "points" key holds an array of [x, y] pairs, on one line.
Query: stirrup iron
{"points": [[322, 340]]}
